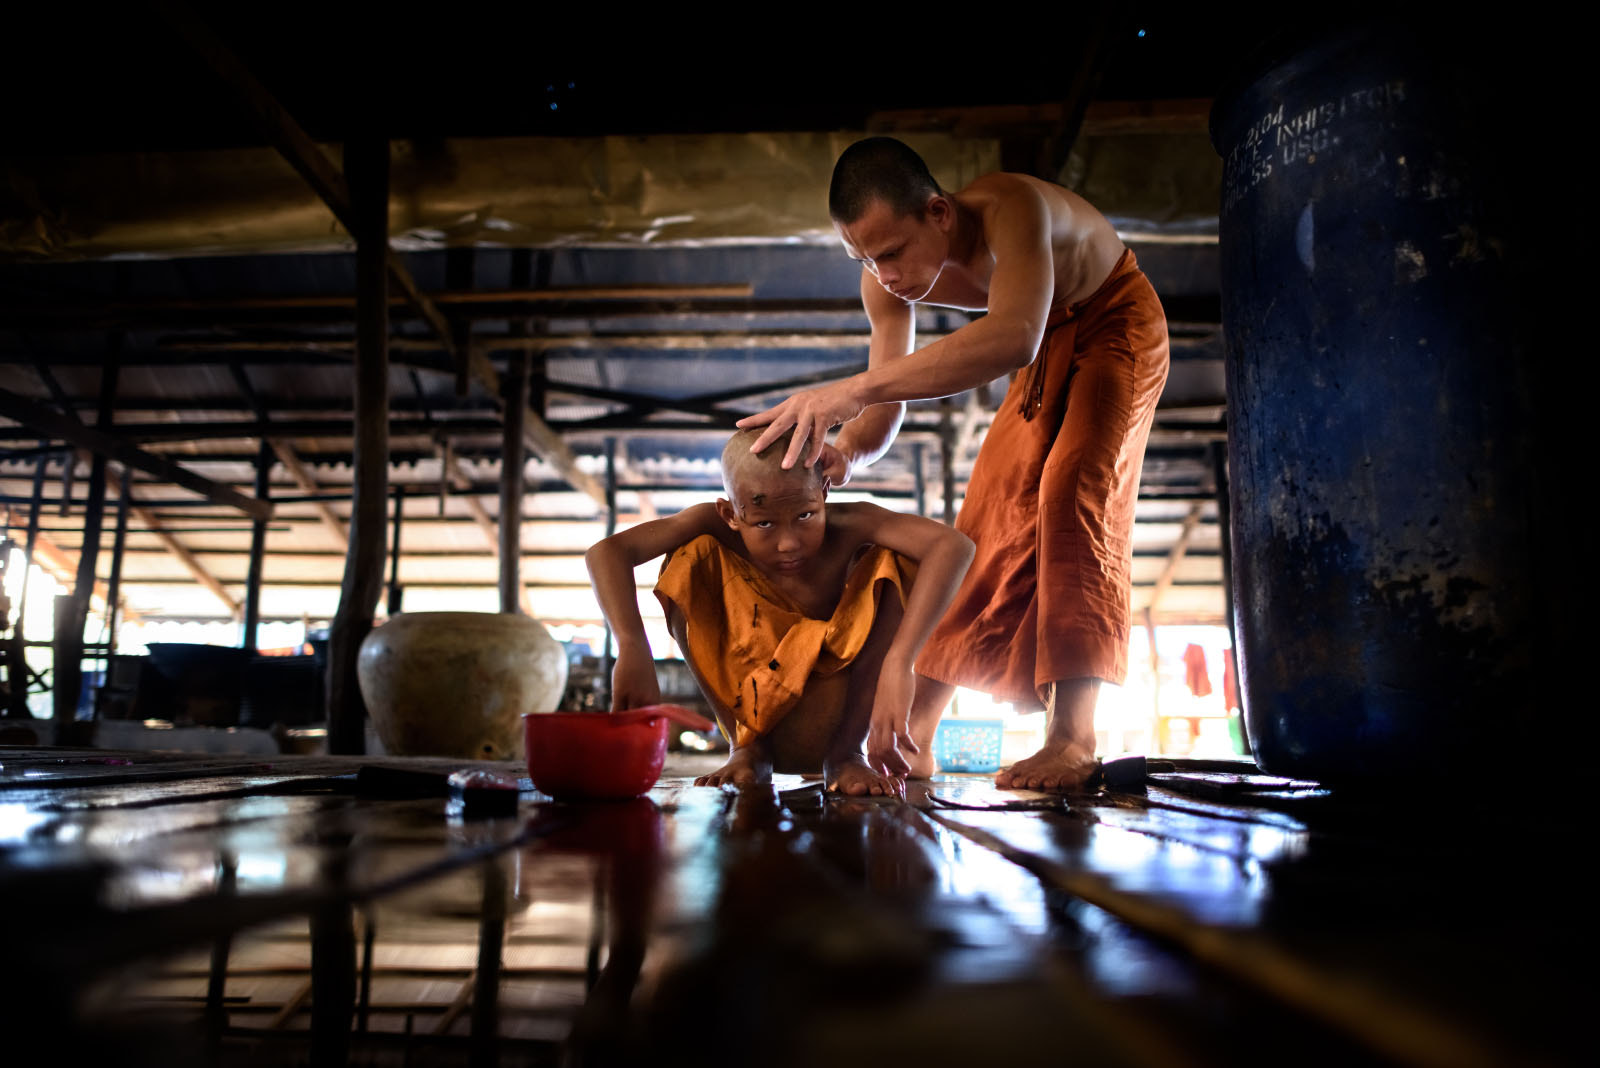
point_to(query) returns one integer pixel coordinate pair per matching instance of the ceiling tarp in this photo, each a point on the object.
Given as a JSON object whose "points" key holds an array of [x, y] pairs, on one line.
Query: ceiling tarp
{"points": [[631, 191]]}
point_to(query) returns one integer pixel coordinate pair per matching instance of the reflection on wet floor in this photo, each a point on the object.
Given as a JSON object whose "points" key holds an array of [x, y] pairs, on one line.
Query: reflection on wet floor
{"points": [[191, 912]]}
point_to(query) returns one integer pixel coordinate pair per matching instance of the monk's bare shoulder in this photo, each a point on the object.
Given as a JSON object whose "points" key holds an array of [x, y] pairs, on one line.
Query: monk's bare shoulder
{"points": [[1083, 244]]}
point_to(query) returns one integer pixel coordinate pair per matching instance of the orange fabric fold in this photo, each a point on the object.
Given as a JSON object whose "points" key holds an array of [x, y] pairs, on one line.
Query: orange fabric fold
{"points": [[751, 644], [1050, 504]]}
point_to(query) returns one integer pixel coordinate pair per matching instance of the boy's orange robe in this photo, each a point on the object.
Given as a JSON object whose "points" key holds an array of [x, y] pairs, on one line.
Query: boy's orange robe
{"points": [[1050, 504], [751, 644]]}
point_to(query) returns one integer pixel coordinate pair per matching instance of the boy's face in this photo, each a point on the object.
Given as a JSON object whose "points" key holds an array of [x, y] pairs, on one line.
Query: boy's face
{"points": [[782, 525]]}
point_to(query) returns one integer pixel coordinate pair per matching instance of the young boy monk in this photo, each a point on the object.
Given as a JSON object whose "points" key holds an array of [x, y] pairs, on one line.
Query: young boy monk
{"points": [[800, 622]]}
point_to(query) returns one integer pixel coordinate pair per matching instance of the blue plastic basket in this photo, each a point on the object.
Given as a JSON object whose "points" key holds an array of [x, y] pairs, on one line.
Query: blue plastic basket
{"points": [[968, 744]]}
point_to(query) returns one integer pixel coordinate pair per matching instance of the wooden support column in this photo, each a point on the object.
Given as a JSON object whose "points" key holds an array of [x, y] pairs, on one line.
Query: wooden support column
{"points": [[367, 171], [68, 667], [16, 651], [118, 544], [919, 470], [258, 552], [611, 528], [512, 457], [947, 459], [395, 592]]}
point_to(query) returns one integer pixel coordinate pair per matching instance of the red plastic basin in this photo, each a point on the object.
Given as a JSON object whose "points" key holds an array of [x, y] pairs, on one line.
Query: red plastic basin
{"points": [[599, 756]]}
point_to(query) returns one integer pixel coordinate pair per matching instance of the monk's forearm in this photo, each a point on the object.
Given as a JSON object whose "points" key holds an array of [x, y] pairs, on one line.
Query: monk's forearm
{"points": [[611, 575], [868, 436], [978, 353], [939, 576]]}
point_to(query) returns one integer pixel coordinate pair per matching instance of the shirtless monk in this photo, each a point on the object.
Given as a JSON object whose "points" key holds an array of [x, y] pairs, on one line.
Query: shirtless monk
{"points": [[799, 621], [1042, 617]]}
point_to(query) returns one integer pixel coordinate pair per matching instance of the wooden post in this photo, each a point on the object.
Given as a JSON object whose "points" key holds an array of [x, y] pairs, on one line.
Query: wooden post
{"points": [[17, 649], [258, 551], [367, 172], [947, 459], [919, 469], [395, 592], [611, 528], [68, 669], [512, 458], [118, 544]]}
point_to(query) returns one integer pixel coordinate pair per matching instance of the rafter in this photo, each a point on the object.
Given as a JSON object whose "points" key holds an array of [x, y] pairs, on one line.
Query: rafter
{"points": [[307, 482]]}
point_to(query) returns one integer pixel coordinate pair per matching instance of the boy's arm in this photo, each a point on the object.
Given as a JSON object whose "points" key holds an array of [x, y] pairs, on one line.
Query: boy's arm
{"points": [[611, 563], [943, 555]]}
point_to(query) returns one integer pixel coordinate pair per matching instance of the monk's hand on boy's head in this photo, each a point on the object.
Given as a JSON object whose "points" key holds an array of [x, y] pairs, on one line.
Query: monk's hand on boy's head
{"points": [[812, 413], [633, 681]]}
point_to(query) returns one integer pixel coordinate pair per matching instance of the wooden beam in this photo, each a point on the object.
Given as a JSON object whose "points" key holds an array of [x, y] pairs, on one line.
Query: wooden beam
{"points": [[695, 341], [307, 482], [65, 426], [187, 559], [1102, 118], [309, 161], [548, 444], [1175, 557]]}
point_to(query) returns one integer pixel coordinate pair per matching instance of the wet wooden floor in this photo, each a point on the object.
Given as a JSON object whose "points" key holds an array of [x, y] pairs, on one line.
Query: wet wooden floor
{"points": [[167, 909]]}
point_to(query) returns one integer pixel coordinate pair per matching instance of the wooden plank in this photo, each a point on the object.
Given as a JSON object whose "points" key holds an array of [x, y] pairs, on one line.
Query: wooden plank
{"points": [[188, 560], [64, 426], [306, 481], [1175, 557], [548, 444]]}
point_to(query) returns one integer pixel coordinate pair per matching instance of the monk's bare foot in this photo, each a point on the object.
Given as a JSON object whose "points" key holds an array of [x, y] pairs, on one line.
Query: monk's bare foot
{"points": [[1055, 767], [851, 776], [747, 766]]}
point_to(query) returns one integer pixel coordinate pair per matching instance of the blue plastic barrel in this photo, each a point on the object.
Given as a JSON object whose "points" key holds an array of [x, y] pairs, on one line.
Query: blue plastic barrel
{"points": [[1388, 581]]}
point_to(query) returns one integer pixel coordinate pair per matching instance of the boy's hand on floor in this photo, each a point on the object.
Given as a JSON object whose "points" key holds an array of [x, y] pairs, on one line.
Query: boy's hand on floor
{"points": [[890, 730], [633, 682]]}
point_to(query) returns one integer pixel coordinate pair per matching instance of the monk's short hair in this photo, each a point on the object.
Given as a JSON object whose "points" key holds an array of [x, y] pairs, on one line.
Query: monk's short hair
{"points": [[741, 467], [879, 168]]}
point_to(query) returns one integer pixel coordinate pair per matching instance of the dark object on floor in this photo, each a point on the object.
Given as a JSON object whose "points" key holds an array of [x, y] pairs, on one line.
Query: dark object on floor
{"points": [[479, 793]]}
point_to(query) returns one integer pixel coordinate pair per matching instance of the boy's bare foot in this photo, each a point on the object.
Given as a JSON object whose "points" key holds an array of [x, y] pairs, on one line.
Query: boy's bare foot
{"points": [[923, 766], [1058, 766], [851, 776], [746, 766]]}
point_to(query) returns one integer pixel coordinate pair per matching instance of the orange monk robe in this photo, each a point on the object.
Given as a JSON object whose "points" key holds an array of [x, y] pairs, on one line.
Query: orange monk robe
{"points": [[1050, 504], [751, 644]]}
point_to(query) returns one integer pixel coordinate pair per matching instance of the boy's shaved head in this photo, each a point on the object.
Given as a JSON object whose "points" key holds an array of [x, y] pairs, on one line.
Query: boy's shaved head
{"points": [[761, 474]]}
